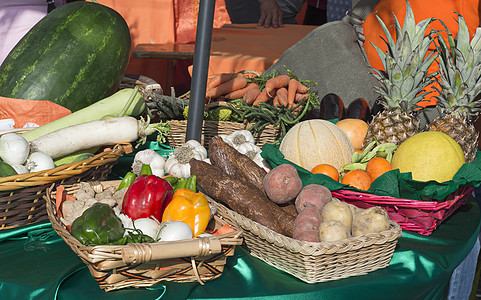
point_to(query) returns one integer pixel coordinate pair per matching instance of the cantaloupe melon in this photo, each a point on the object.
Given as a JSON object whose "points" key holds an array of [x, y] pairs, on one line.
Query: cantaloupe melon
{"points": [[317, 141], [429, 155]]}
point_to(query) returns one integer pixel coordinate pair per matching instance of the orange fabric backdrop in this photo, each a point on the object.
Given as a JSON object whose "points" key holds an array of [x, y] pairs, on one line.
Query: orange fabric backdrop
{"points": [[162, 22], [443, 9], [39, 112], [239, 47]]}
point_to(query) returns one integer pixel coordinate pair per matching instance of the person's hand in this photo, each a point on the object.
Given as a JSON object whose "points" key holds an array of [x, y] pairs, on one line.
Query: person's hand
{"points": [[271, 14]]}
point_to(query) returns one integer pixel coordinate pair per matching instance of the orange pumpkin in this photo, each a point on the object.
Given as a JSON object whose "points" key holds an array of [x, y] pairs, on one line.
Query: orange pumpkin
{"points": [[355, 130]]}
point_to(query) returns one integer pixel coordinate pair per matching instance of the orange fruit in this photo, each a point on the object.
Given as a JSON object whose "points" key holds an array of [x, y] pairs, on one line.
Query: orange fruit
{"points": [[359, 179], [326, 169], [377, 166]]}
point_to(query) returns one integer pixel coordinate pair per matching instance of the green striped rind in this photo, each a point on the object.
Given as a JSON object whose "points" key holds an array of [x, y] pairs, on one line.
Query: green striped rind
{"points": [[74, 56]]}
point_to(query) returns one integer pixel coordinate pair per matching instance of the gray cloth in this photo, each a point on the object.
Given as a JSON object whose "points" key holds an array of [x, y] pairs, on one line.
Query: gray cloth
{"points": [[331, 56]]}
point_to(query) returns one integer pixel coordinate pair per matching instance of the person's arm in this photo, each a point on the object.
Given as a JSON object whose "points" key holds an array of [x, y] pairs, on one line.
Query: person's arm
{"points": [[271, 14]]}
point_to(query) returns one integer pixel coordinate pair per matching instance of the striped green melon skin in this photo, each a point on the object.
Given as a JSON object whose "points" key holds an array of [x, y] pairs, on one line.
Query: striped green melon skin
{"points": [[74, 56]]}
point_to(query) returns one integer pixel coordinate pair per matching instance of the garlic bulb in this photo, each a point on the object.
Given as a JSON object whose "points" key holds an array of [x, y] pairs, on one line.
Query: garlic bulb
{"points": [[178, 162], [238, 138], [151, 158]]}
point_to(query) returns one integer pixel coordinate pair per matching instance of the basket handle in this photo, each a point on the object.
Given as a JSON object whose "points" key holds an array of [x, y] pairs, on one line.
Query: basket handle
{"points": [[141, 253]]}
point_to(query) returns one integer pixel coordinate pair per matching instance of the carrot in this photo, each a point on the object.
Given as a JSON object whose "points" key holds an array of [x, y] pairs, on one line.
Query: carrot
{"points": [[302, 89], [291, 92], [262, 97], [233, 84], [282, 94], [237, 94], [251, 95], [300, 97], [217, 79], [276, 83], [275, 101]]}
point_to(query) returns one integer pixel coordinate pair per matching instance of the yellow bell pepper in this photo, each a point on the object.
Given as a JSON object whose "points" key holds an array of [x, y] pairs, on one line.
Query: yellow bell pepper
{"points": [[188, 207]]}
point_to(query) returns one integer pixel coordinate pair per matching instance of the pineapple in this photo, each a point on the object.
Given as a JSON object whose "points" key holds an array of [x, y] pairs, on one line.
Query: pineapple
{"points": [[459, 87], [404, 80]]}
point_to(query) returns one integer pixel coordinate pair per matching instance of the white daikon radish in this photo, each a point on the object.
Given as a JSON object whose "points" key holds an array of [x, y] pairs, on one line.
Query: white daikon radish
{"points": [[102, 132]]}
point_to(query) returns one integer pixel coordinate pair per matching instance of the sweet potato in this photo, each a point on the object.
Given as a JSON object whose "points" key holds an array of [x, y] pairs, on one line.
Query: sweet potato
{"points": [[306, 225], [282, 184], [241, 197], [315, 194]]}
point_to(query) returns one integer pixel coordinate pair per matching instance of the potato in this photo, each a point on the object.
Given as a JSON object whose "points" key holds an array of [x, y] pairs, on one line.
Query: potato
{"points": [[315, 194], [306, 225], [282, 184], [371, 220], [339, 211], [354, 209], [333, 230]]}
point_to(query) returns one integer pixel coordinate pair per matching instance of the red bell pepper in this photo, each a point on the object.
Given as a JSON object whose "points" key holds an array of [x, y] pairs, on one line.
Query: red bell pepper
{"points": [[148, 195]]}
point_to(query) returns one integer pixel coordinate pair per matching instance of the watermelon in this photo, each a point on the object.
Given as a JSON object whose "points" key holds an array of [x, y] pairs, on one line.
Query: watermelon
{"points": [[75, 56]]}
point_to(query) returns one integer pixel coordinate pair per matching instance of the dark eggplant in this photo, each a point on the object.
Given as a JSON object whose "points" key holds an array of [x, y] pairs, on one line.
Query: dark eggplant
{"points": [[358, 109], [331, 107]]}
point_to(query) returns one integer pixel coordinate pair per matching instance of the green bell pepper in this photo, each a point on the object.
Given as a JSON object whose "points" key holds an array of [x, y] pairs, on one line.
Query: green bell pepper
{"points": [[98, 225]]}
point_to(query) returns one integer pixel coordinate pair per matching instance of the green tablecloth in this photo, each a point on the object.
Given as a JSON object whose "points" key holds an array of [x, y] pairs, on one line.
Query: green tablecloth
{"points": [[37, 264]]}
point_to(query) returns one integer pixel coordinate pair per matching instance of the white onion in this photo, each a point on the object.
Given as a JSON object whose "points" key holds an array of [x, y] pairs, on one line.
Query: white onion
{"points": [[148, 226], [14, 148], [39, 161], [174, 231]]}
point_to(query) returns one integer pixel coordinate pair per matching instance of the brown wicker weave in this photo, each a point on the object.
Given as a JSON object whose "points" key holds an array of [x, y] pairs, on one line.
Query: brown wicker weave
{"points": [[21, 195], [142, 265], [316, 262], [210, 129]]}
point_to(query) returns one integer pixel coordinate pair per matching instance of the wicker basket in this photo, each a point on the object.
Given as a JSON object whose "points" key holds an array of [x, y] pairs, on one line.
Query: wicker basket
{"points": [[142, 265], [21, 195], [413, 215], [210, 129], [317, 262]]}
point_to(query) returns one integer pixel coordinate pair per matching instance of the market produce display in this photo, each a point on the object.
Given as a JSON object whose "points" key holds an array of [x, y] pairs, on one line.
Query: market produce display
{"points": [[178, 197]]}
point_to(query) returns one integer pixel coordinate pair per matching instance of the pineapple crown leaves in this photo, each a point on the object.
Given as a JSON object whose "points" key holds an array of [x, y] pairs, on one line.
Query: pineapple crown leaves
{"points": [[460, 70], [406, 62]]}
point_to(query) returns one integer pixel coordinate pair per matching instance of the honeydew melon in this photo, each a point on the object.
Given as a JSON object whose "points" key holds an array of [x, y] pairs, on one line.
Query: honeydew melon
{"points": [[429, 155]]}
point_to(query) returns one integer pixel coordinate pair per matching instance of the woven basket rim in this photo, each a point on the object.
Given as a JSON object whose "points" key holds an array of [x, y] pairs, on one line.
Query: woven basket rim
{"points": [[63, 171], [313, 248], [388, 200]]}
